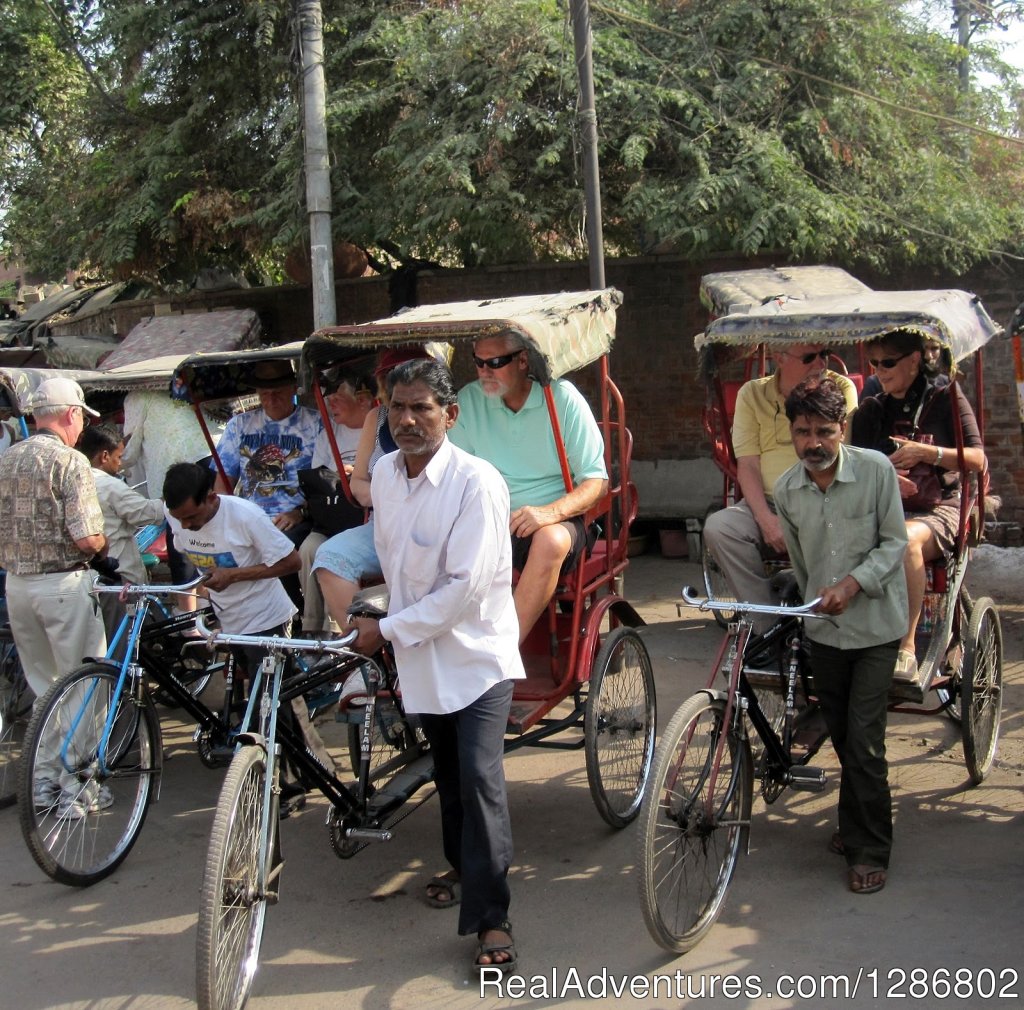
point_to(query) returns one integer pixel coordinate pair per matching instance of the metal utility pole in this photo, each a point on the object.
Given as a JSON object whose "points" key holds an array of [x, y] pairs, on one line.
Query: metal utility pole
{"points": [[579, 11], [317, 161]]}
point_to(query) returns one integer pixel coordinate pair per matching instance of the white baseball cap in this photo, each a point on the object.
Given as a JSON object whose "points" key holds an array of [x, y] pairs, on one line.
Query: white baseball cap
{"points": [[60, 393]]}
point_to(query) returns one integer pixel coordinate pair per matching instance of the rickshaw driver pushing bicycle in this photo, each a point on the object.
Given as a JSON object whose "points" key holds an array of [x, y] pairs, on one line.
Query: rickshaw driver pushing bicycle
{"points": [[502, 419], [842, 518], [738, 536], [440, 517]]}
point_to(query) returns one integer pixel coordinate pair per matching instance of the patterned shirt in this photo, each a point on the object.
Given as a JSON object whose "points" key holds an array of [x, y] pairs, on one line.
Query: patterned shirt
{"points": [[47, 502], [265, 456]]}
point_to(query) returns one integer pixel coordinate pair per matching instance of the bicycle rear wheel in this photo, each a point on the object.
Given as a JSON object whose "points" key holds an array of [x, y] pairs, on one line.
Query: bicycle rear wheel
{"points": [[618, 726], [716, 587], [688, 847], [16, 699], [232, 907], [981, 688], [391, 736], [80, 820]]}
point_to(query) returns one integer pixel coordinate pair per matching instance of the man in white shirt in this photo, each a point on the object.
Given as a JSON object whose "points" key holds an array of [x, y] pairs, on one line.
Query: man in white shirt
{"points": [[243, 556], [441, 532], [234, 543]]}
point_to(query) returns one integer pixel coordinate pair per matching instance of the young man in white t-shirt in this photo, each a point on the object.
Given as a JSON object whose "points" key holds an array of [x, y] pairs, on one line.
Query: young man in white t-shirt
{"points": [[242, 555], [235, 545]]}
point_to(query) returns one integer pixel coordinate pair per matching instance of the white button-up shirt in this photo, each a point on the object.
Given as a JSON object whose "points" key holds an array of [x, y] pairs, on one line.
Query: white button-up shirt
{"points": [[444, 547]]}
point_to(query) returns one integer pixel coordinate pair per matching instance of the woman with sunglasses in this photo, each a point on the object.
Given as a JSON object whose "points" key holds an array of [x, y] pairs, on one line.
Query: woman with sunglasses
{"points": [[912, 422]]}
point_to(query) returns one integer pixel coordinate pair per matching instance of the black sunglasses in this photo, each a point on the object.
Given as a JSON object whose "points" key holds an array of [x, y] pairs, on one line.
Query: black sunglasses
{"points": [[806, 359], [888, 362], [495, 363]]}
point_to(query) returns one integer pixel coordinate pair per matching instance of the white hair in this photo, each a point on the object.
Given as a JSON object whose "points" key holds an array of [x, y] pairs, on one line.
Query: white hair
{"points": [[52, 411]]}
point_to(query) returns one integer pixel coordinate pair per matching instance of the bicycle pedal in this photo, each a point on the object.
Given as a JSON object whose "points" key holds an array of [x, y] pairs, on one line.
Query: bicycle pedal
{"points": [[810, 780], [368, 835]]}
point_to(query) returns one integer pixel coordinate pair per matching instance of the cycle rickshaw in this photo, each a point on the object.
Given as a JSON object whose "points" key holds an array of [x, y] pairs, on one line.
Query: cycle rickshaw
{"points": [[697, 807], [606, 678], [725, 372], [586, 665]]}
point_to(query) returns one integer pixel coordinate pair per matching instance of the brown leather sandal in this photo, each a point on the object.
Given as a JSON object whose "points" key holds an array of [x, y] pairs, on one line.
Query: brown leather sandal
{"points": [[867, 879], [489, 949]]}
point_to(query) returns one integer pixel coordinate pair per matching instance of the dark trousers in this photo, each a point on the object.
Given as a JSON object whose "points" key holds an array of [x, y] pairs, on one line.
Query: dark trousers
{"points": [[468, 751], [853, 688], [182, 570], [292, 583]]}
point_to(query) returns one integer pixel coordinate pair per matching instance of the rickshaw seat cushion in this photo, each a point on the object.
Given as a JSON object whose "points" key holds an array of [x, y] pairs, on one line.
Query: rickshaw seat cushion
{"points": [[594, 562], [784, 585]]}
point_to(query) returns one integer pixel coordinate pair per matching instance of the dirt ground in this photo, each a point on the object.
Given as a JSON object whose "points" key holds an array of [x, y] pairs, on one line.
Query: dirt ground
{"points": [[357, 934]]}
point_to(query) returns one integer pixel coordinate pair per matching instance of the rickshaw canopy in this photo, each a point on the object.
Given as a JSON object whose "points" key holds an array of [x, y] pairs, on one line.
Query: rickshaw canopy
{"points": [[957, 319], [742, 290], [25, 381], [223, 374], [563, 332]]}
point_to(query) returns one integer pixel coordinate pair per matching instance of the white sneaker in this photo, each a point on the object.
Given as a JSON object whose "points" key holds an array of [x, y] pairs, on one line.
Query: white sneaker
{"points": [[77, 804], [45, 793]]}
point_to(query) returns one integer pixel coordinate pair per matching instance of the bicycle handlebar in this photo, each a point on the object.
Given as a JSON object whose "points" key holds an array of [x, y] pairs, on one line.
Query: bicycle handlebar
{"points": [[145, 589], [273, 643], [806, 610]]}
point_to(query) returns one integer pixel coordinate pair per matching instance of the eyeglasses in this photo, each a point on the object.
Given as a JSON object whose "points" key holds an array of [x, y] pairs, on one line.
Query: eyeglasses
{"points": [[806, 359], [888, 362], [498, 362]]}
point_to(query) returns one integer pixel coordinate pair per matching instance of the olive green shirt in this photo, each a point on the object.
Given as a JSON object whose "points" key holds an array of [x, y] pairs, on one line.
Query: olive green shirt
{"points": [[854, 527]]}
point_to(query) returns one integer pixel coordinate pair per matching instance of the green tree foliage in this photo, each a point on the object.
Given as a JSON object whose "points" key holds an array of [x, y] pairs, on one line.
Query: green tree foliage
{"points": [[826, 129], [167, 153]]}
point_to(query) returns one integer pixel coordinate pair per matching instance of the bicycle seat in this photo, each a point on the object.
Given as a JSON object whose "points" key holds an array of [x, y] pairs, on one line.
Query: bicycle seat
{"points": [[785, 587], [371, 602]]}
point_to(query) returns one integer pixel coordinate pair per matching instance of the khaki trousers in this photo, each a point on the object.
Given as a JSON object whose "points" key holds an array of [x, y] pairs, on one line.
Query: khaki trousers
{"points": [[56, 624]]}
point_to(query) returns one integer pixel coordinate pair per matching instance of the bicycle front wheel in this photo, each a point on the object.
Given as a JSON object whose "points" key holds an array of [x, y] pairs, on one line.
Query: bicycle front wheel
{"points": [[689, 838], [80, 818], [15, 710], [233, 905]]}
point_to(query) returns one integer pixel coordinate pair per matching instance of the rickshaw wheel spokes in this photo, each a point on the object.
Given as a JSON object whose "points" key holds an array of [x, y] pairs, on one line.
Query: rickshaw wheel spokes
{"points": [[981, 688], [618, 726]]}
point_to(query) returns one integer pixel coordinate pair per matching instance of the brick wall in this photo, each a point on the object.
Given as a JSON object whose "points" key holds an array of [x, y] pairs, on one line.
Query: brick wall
{"points": [[653, 360]]}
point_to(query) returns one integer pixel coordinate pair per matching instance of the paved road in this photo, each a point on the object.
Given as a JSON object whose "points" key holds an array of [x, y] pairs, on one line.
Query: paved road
{"points": [[356, 934]]}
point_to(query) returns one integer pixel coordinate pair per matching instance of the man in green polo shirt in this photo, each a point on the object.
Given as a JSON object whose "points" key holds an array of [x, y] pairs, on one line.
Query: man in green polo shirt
{"points": [[842, 518], [503, 419]]}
